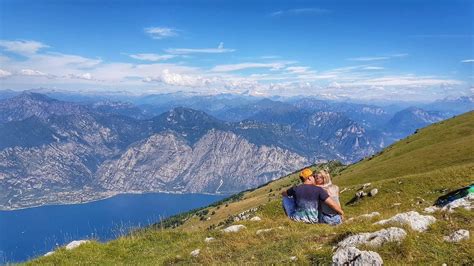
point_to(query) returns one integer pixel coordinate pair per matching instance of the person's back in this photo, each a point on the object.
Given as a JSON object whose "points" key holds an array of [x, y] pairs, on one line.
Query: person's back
{"points": [[307, 198], [327, 214], [333, 192]]}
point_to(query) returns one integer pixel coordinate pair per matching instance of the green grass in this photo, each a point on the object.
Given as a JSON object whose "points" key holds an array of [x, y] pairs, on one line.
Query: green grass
{"points": [[410, 175]]}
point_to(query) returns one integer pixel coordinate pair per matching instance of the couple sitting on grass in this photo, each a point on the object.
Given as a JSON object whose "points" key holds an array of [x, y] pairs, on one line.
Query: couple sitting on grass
{"points": [[314, 201]]}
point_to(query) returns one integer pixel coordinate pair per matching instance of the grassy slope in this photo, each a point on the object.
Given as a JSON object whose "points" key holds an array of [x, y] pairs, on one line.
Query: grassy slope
{"points": [[412, 172]]}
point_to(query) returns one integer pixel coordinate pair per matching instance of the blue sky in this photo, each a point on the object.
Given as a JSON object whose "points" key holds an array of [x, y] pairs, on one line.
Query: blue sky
{"points": [[407, 50]]}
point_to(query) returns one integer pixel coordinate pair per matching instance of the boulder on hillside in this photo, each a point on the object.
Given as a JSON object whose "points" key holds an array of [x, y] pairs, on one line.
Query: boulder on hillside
{"points": [[355, 257], [375, 239], [209, 239], [373, 192], [234, 228], [49, 254], [431, 209], [245, 215], [465, 202], [195, 252], [255, 219], [413, 219], [457, 236], [74, 244]]}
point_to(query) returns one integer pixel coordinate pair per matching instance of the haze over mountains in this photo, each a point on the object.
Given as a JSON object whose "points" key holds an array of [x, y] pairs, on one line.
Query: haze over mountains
{"points": [[60, 151]]}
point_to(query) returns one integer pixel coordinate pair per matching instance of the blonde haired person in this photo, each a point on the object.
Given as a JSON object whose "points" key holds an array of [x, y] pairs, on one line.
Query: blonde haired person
{"points": [[326, 213], [301, 203]]}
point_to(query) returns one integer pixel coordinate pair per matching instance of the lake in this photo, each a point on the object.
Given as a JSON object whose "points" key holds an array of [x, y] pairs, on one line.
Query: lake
{"points": [[28, 233]]}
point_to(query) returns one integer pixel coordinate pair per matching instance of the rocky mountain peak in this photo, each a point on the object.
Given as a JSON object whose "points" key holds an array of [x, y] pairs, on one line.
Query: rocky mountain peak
{"points": [[32, 97]]}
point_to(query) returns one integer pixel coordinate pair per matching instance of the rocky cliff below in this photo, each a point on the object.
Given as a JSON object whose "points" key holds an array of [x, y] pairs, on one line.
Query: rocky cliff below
{"points": [[220, 162]]}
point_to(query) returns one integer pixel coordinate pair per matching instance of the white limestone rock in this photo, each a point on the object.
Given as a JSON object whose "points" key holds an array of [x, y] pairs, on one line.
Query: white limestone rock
{"points": [[431, 209], [234, 228], [413, 219], [373, 192], [355, 257], [256, 219], [49, 254], [195, 252], [293, 258], [74, 244], [457, 236], [465, 202], [209, 239], [375, 239]]}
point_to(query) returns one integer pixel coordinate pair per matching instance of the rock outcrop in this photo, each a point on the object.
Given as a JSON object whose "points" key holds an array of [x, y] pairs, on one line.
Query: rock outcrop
{"points": [[234, 228], [457, 236], [195, 252], [375, 239], [355, 257], [413, 219], [76, 243]]}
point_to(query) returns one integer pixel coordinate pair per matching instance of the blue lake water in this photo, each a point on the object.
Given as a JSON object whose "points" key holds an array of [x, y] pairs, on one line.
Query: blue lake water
{"points": [[28, 233]]}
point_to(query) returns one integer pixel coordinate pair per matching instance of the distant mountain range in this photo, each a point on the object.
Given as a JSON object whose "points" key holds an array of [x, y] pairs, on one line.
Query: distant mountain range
{"points": [[58, 151]]}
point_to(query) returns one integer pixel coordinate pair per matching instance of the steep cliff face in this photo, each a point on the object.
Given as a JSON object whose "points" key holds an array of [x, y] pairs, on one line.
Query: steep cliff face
{"points": [[218, 162], [41, 175], [345, 139]]}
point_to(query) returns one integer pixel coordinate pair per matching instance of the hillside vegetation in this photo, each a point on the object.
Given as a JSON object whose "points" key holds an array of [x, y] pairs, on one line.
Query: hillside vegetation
{"points": [[409, 175]]}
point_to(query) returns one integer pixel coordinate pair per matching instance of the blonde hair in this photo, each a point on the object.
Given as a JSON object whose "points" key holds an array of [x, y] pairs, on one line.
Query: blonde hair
{"points": [[332, 189], [326, 177]]}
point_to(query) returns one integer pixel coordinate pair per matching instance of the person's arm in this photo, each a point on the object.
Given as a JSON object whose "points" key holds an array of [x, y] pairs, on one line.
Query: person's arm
{"points": [[333, 204]]}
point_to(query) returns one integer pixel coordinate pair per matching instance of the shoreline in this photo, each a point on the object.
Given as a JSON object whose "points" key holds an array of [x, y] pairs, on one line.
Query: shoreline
{"points": [[111, 196]]}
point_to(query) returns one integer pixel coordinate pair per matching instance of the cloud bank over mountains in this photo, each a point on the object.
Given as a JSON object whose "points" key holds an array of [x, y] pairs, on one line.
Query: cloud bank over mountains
{"points": [[27, 63]]}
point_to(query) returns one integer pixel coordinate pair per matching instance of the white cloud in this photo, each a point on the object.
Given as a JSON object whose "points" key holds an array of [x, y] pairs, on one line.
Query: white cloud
{"points": [[152, 57], [73, 71], [300, 11], [177, 79], [269, 57], [22, 47], [248, 65], [399, 55], [377, 58], [373, 58], [161, 32], [60, 61], [4, 73], [468, 61], [373, 68], [180, 51], [85, 76], [297, 69], [404, 81], [31, 72]]}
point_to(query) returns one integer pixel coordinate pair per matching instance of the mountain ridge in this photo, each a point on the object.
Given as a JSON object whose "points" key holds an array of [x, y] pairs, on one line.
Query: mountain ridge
{"points": [[73, 141], [413, 185]]}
